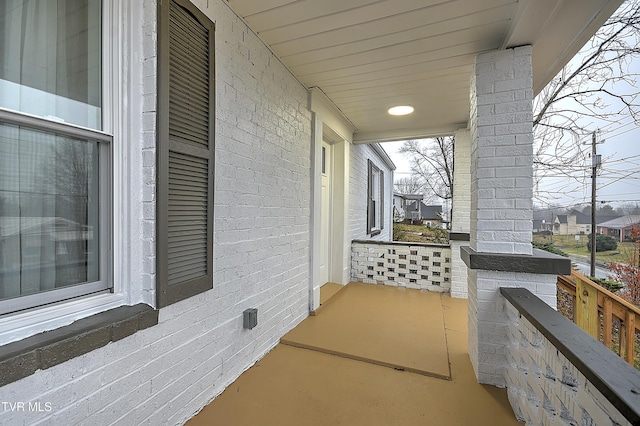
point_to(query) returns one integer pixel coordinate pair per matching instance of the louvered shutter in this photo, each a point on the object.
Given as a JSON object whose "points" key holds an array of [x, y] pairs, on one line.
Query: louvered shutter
{"points": [[185, 152]]}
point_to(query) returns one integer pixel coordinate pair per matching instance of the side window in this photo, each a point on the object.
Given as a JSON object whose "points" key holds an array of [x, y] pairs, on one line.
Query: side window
{"points": [[54, 154], [375, 199], [185, 152]]}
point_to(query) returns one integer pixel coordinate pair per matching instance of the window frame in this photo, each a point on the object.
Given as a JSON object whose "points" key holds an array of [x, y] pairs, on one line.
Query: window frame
{"points": [[104, 282], [375, 201], [117, 127]]}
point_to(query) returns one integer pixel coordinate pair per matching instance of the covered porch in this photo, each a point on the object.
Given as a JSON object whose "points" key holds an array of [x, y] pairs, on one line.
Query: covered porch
{"points": [[295, 385], [397, 352]]}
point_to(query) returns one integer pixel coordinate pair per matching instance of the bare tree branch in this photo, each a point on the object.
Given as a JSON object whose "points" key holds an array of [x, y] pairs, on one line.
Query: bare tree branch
{"points": [[595, 89], [432, 163]]}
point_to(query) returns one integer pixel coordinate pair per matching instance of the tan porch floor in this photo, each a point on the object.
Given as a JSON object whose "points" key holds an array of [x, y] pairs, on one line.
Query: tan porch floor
{"points": [[296, 386]]}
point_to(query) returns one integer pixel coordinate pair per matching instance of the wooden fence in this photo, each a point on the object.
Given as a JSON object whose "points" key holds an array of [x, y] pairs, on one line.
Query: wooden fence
{"points": [[605, 316]]}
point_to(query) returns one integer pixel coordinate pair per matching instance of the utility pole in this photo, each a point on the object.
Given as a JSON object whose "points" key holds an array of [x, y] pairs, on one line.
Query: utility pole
{"points": [[595, 162]]}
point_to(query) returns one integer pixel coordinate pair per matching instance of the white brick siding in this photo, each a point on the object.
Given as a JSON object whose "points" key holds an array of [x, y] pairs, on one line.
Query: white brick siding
{"points": [[358, 193], [166, 373], [461, 204], [147, 151], [488, 322], [459, 276]]}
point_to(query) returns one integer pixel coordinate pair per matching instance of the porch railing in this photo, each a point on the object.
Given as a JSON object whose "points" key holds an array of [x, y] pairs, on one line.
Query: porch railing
{"points": [[556, 374], [602, 314], [410, 265]]}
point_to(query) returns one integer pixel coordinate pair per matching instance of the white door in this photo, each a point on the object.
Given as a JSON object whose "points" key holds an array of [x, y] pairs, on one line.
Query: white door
{"points": [[325, 223]]}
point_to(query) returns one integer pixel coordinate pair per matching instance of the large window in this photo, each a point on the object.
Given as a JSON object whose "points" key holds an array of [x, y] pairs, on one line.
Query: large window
{"points": [[54, 157]]}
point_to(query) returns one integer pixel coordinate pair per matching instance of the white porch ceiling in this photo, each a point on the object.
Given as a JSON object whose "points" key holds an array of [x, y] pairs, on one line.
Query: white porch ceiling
{"points": [[369, 55]]}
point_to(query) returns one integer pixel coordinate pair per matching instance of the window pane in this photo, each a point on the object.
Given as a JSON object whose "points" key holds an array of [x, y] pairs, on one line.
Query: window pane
{"points": [[50, 59], [49, 214]]}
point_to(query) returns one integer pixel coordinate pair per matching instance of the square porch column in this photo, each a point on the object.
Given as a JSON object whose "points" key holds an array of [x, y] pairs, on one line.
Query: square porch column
{"points": [[500, 253], [460, 209]]}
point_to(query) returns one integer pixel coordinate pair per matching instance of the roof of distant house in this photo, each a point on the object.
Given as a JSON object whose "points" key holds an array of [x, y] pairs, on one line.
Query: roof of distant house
{"points": [[409, 196], [585, 219], [621, 222]]}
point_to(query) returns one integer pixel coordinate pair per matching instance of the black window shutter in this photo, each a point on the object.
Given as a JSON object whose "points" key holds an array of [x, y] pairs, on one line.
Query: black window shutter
{"points": [[185, 150]]}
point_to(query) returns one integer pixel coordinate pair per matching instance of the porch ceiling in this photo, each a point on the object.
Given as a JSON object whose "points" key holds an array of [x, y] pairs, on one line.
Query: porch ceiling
{"points": [[369, 55]]}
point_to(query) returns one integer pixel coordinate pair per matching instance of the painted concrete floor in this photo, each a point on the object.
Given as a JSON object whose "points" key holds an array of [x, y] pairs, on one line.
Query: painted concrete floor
{"points": [[295, 386], [409, 329]]}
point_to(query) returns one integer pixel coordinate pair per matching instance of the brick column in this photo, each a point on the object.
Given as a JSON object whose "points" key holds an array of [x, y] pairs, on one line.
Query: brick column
{"points": [[461, 206], [502, 152], [500, 252]]}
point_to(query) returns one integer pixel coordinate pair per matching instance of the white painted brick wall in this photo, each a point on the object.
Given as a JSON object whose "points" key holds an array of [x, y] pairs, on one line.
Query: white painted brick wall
{"points": [[462, 182], [544, 387], [502, 152], [358, 172], [459, 275], [165, 374], [488, 322], [145, 234]]}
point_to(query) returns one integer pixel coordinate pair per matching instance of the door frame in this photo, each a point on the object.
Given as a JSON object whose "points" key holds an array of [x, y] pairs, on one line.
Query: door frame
{"points": [[329, 125], [326, 206]]}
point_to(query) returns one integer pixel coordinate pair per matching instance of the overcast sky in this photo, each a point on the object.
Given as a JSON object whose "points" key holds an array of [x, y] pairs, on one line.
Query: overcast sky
{"points": [[618, 180]]}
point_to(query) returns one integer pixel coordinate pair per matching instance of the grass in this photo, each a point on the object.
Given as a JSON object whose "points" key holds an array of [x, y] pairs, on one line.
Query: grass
{"points": [[419, 234], [573, 246]]}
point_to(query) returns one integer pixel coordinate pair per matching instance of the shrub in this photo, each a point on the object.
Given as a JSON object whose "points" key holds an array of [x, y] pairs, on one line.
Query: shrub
{"points": [[549, 247], [612, 286], [603, 243]]}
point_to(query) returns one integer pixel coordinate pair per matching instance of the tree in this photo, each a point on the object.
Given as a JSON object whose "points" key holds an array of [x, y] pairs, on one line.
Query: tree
{"points": [[432, 164], [596, 88], [409, 185], [628, 273], [603, 243], [603, 210], [630, 209]]}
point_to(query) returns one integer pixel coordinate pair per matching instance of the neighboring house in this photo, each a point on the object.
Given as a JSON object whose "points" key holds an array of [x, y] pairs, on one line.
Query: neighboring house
{"points": [[430, 215], [543, 220], [223, 156], [620, 228], [400, 202], [371, 195], [576, 222], [539, 225]]}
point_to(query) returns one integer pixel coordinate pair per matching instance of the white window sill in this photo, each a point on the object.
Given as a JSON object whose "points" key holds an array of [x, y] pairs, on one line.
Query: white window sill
{"points": [[21, 325]]}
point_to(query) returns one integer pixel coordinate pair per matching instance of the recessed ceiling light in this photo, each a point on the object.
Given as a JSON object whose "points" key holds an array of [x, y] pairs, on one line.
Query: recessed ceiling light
{"points": [[401, 110]]}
